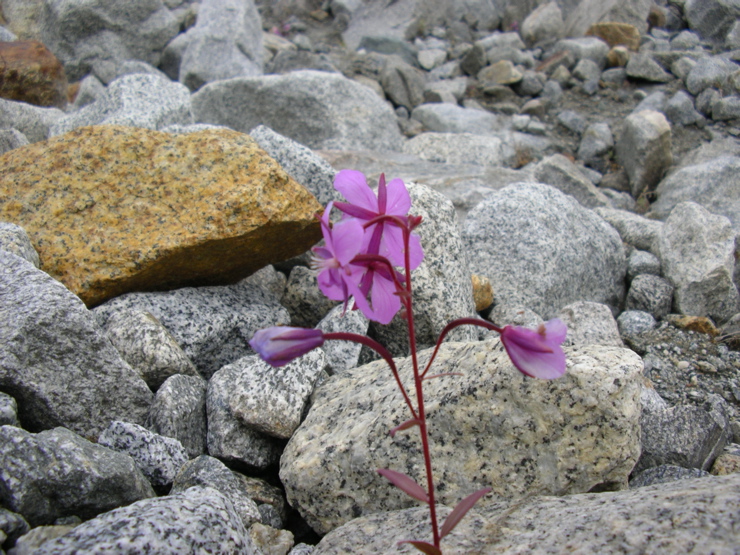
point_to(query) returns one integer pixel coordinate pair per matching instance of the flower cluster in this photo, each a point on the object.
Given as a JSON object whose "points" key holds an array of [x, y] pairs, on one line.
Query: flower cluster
{"points": [[358, 263]]}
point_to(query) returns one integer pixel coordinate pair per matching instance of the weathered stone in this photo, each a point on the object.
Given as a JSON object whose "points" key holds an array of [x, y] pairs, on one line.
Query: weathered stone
{"points": [[615, 33], [644, 149], [482, 292], [635, 230], [210, 472], [615, 522], [31, 73], [586, 70], [447, 118], [642, 262], [664, 473], [154, 211], [726, 108], [596, 142], [10, 139], [587, 12], [33, 121], [179, 411], [561, 173], [271, 400], [643, 67], [456, 148], [56, 473], [592, 48], [712, 19], [590, 324], [8, 411], [726, 463], [679, 110], [13, 238], [543, 250], [138, 100], [225, 42], [684, 435], [709, 72], [230, 439], [159, 458], [500, 73], [533, 430], [212, 324], [12, 526], [148, 347], [617, 58], [543, 25], [303, 299], [651, 294], [697, 253], [402, 83], [56, 361], [198, 520], [342, 355], [635, 322], [315, 108]]}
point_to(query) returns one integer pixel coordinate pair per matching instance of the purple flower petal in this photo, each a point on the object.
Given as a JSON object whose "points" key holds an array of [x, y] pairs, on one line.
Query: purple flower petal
{"points": [[537, 353], [399, 201], [353, 185], [280, 345]]}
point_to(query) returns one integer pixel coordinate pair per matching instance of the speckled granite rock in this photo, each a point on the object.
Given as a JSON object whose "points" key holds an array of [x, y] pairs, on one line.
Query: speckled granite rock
{"points": [[137, 209], [304, 300], [663, 474], [213, 325], [33, 121], [13, 238], [342, 355], [230, 439], [271, 400], [543, 250], [139, 100], [56, 361], [179, 411], [271, 540], [697, 253], [148, 347], [635, 230], [57, 473], [590, 324], [210, 472], [442, 284], [12, 525], [636, 521], [198, 520], [491, 426], [159, 458]]}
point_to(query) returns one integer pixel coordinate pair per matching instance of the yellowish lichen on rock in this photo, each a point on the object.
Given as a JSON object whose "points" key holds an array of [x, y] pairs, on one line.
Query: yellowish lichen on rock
{"points": [[112, 209]]}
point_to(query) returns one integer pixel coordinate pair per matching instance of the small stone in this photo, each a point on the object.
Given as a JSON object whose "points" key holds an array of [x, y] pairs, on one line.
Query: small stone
{"points": [[31, 73], [635, 322], [482, 292], [500, 73], [616, 34], [699, 324], [725, 464], [642, 66], [618, 56]]}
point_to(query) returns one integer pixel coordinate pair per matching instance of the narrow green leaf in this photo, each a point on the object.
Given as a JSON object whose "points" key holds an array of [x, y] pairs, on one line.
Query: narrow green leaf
{"points": [[424, 547], [460, 511], [405, 484]]}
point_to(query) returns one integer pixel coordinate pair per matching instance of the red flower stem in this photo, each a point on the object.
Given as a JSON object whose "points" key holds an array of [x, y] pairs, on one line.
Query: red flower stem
{"points": [[408, 304], [382, 351], [452, 325]]}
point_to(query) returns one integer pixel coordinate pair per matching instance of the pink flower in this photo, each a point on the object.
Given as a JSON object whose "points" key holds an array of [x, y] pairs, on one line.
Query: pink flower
{"points": [[280, 345], [537, 353], [384, 238], [342, 243]]}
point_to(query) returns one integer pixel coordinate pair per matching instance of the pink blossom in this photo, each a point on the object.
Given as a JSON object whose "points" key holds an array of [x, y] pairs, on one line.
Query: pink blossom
{"points": [[280, 345], [537, 353], [383, 238]]}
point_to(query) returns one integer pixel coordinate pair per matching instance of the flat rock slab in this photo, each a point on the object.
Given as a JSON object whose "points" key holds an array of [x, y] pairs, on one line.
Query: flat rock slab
{"points": [[116, 209]]}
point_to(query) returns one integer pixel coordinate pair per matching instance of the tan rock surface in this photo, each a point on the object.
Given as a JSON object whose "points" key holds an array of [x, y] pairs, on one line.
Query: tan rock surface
{"points": [[614, 34], [115, 209]]}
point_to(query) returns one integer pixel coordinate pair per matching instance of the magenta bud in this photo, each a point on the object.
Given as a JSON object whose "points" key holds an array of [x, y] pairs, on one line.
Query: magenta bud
{"points": [[280, 345], [537, 353]]}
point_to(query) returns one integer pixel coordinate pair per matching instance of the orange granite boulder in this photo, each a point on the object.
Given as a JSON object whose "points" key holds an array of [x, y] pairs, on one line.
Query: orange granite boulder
{"points": [[113, 209], [30, 73]]}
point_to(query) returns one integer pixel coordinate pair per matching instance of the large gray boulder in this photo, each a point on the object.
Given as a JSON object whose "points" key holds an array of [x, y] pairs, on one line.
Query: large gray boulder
{"points": [[542, 250], [315, 108], [613, 523], [56, 473], [225, 42], [491, 426], [56, 361], [198, 520], [712, 19]]}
